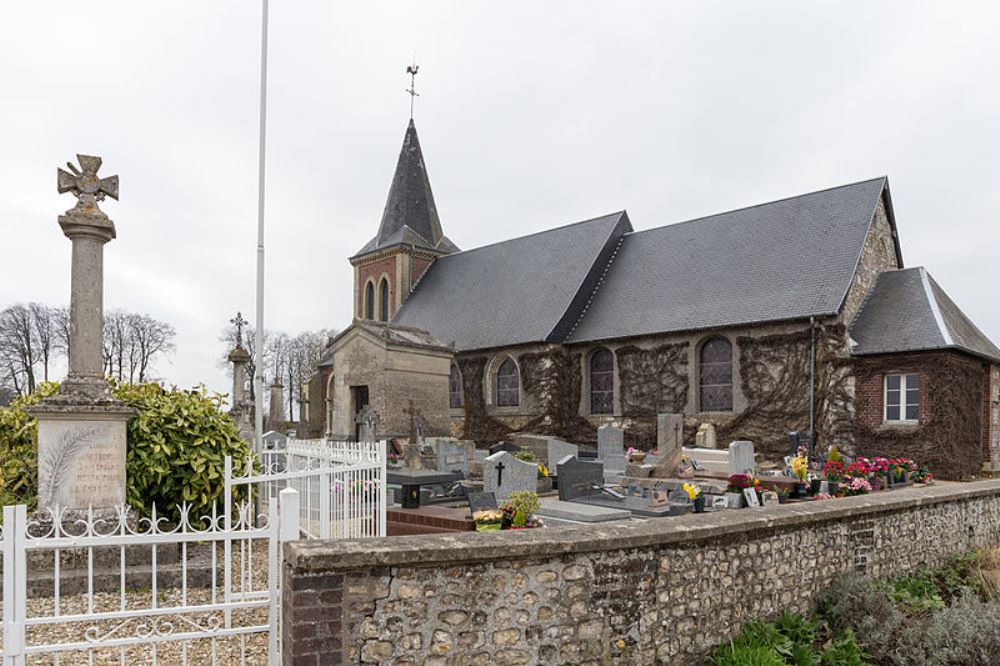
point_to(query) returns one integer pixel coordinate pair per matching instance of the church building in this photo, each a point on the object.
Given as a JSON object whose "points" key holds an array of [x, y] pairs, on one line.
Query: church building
{"points": [[792, 315]]}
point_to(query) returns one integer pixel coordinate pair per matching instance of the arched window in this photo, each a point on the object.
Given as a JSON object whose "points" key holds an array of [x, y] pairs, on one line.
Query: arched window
{"points": [[508, 390], [369, 301], [715, 369], [602, 382], [383, 300], [454, 387]]}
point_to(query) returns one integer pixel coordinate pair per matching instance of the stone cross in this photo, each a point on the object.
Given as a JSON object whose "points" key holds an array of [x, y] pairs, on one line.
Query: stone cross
{"points": [[411, 455], [82, 431], [415, 427], [368, 419], [239, 322]]}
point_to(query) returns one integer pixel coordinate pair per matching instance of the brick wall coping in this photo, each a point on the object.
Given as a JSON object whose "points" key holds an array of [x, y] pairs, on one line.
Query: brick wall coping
{"points": [[352, 554]]}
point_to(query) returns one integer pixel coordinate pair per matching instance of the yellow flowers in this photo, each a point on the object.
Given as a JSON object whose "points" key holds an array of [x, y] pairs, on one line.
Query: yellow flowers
{"points": [[800, 467], [692, 490]]}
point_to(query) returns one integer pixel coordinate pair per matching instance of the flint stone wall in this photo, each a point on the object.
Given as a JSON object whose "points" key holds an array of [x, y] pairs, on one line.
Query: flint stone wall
{"points": [[660, 591]]}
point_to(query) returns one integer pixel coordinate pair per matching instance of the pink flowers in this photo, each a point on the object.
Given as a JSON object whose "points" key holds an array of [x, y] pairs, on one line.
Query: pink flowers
{"points": [[857, 486]]}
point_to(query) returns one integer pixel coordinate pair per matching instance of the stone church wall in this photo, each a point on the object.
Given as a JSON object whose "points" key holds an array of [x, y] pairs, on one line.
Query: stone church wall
{"points": [[952, 424], [878, 254], [771, 372], [656, 591]]}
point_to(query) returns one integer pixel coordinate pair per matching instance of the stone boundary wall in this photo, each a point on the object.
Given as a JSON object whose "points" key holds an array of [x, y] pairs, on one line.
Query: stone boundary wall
{"points": [[659, 591]]}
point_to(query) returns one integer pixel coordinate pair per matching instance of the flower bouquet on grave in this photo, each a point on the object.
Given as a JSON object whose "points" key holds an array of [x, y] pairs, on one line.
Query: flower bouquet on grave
{"points": [[734, 491], [783, 495], [522, 508], [800, 468], [923, 476], [635, 456], [880, 470], [834, 472], [854, 485], [488, 520], [697, 498]]}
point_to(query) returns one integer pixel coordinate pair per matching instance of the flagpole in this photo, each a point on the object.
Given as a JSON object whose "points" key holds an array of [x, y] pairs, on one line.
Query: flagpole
{"points": [[259, 324]]}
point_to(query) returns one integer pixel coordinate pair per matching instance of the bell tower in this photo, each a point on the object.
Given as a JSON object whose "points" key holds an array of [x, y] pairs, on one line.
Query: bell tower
{"points": [[409, 239]]}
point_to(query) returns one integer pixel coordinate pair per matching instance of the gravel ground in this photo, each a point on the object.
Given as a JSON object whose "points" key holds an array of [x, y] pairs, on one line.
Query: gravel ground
{"points": [[228, 650]]}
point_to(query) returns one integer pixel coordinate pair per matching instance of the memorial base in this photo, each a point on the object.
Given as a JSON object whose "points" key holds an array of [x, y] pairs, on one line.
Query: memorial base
{"points": [[81, 452]]}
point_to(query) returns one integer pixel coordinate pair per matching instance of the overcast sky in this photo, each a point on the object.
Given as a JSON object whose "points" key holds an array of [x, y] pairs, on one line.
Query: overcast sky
{"points": [[531, 115]]}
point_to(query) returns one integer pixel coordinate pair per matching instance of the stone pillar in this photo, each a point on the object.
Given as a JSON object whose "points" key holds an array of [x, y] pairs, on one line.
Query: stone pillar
{"points": [[241, 410], [82, 431], [276, 415]]}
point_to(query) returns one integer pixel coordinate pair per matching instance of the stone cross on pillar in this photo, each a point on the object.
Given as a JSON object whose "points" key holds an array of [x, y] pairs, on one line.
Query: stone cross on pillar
{"points": [[411, 456], [239, 357], [81, 431]]}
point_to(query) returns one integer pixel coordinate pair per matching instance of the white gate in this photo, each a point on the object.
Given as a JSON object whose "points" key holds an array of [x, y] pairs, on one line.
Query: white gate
{"points": [[341, 485], [143, 590]]}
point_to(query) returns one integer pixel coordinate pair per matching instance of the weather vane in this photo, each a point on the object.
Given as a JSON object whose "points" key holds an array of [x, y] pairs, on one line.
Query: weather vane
{"points": [[412, 71]]}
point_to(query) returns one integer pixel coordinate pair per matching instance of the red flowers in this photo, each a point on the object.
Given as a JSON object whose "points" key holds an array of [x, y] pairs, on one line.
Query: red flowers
{"points": [[740, 482], [834, 470]]}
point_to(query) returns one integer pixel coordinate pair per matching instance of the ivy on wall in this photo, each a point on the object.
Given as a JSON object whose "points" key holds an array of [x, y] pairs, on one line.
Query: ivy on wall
{"points": [[554, 380], [652, 381], [774, 377], [479, 425], [949, 437]]}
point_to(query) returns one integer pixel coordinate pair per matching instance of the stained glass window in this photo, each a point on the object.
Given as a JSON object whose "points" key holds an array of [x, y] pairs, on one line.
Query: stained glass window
{"points": [[369, 301], [716, 376], [508, 393], [602, 382], [383, 300], [454, 387]]}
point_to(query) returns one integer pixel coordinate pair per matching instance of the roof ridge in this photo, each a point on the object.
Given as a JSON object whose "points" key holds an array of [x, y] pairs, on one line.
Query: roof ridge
{"points": [[759, 205], [535, 233], [597, 287], [935, 308]]}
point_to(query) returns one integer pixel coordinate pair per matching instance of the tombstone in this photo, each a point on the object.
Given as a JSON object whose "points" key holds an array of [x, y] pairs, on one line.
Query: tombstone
{"points": [[481, 501], [274, 440], [579, 478], [611, 448], [705, 437], [505, 446], [669, 432], [504, 474], [669, 441], [367, 421], [451, 456], [741, 458], [557, 450]]}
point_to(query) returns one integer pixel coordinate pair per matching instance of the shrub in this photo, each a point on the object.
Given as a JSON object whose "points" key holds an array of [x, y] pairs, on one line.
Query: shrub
{"points": [[843, 651], [525, 502], [18, 448], [747, 654], [967, 632], [856, 603], [177, 445], [526, 456]]}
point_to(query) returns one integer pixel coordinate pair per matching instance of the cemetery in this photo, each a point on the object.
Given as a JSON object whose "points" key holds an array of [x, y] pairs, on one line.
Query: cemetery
{"points": [[749, 438]]}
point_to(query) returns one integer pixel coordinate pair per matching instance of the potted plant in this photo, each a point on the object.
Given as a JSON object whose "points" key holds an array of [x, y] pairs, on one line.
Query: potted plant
{"points": [[923, 476], [834, 472], [734, 491], [880, 468], [694, 494], [782, 494], [800, 468], [488, 520], [524, 504], [854, 485]]}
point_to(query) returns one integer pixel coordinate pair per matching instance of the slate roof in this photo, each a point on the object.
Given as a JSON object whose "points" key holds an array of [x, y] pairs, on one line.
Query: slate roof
{"points": [[908, 311], [784, 260], [529, 289], [410, 215]]}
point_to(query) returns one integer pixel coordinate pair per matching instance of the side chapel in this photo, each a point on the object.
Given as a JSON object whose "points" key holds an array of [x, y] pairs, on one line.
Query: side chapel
{"points": [[797, 314]]}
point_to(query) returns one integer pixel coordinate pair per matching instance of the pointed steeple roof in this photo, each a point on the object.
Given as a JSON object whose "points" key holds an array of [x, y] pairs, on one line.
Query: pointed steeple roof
{"points": [[410, 216]]}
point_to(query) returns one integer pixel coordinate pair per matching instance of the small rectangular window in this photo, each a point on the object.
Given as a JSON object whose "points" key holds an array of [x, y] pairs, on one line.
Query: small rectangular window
{"points": [[902, 398]]}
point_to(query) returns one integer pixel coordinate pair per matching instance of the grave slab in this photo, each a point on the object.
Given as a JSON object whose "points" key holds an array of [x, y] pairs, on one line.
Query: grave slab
{"points": [[583, 513]]}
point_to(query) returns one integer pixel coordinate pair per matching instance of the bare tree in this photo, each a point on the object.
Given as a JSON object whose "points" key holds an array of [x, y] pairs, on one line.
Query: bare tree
{"points": [[150, 337], [18, 344], [45, 335]]}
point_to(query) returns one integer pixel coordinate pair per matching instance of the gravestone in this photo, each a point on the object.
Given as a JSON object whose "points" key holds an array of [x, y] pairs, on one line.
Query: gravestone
{"points": [[705, 437], [274, 440], [578, 478], [741, 458], [504, 474], [505, 446], [557, 451], [669, 441], [451, 456], [481, 501], [81, 431], [611, 448]]}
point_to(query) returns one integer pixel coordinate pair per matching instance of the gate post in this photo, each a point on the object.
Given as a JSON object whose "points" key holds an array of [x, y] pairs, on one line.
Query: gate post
{"points": [[15, 521]]}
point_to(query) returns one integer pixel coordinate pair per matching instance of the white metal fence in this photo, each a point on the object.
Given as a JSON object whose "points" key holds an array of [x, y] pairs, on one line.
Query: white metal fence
{"points": [[116, 588], [145, 619], [341, 485]]}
